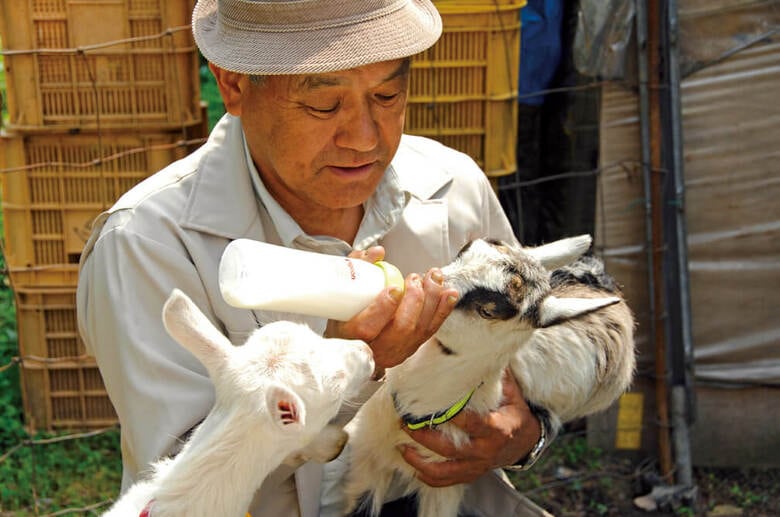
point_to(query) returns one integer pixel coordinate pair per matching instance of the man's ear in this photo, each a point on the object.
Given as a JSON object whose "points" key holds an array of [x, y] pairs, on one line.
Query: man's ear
{"points": [[232, 86]]}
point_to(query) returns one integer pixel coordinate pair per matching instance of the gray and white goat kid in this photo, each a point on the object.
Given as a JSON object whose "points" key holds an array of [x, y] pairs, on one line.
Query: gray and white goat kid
{"points": [[275, 395], [568, 342]]}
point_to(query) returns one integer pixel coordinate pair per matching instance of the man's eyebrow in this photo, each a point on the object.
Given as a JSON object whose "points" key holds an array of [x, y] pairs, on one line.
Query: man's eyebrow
{"points": [[314, 81], [403, 69]]}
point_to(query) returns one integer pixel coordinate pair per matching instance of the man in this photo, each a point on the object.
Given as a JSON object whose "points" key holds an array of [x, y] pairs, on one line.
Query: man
{"points": [[309, 156]]}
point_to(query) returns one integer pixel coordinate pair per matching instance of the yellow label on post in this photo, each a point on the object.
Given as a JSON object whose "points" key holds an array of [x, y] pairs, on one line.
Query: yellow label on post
{"points": [[629, 421]]}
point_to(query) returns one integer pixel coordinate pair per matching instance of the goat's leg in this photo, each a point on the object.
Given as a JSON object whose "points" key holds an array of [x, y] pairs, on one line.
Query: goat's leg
{"points": [[439, 502], [368, 492], [325, 447]]}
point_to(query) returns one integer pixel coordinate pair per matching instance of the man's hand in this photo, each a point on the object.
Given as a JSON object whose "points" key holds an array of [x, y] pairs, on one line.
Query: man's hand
{"points": [[396, 324], [500, 438]]}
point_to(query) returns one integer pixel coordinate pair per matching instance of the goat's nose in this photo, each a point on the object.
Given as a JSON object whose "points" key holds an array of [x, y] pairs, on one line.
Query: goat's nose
{"points": [[449, 278], [365, 356]]}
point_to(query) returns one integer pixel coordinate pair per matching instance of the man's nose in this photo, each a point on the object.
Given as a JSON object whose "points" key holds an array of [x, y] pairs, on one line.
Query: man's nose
{"points": [[360, 131]]}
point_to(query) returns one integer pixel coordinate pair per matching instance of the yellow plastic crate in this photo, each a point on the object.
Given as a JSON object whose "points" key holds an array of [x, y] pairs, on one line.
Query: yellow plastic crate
{"points": [[463, 90], [93, 64], [61, 385], [54, 185]]}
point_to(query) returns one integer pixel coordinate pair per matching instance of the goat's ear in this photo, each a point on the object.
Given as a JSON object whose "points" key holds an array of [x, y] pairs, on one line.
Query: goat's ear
{"points": [[561, 252], [286, 408], [192, 329], [554, 310]]}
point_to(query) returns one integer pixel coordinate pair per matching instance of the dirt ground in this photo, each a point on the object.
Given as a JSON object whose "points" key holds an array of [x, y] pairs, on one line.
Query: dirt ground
{"points": [[575, 480]]}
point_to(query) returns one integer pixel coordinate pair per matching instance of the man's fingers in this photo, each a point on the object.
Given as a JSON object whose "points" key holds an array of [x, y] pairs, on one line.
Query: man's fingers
{"points": [[432, 285], [372, 254], [391, 333], [443, 473], [434, 440], [496, 438], [447, 301], [478, 446], [411, 306], [370, 322], [472, 423], [375, 254], [511, 388], [439, 302]]}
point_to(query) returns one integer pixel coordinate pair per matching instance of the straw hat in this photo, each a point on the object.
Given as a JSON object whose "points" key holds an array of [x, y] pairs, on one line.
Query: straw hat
{"points": [[274, 37]]}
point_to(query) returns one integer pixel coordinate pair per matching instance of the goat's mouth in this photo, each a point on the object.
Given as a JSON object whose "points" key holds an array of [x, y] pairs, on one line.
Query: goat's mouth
{"points": [[444, 348]]}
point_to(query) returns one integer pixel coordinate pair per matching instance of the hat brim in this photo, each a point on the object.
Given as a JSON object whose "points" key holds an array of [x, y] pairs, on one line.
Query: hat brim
{"points": [[403, 32]]}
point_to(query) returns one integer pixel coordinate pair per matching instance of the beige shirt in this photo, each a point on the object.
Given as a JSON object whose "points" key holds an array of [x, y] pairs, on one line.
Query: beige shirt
{"points": [[170, 230]]}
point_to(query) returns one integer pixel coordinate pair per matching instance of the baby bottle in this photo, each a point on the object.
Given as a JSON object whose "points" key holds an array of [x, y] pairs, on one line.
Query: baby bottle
{"points": [[258, 275]]}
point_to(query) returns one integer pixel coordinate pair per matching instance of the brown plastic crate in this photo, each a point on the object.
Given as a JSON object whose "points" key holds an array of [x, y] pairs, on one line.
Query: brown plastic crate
{"points": [[64, 69], [61, 385], [463, 90], [54, 186]]}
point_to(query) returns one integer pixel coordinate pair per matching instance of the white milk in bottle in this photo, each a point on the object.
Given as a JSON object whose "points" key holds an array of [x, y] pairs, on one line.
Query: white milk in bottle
{"points": [[258, 275]]}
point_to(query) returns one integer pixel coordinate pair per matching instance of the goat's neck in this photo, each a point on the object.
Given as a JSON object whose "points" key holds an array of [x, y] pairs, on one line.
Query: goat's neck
{"points": [[220, 467], [416, 383]]}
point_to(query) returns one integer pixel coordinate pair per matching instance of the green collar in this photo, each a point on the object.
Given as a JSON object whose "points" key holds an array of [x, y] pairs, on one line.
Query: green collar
{"points": [[433, 419]]}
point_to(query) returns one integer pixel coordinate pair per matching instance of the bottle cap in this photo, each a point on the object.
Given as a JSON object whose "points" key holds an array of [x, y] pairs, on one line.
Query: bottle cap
{"points": [[393, 276]]}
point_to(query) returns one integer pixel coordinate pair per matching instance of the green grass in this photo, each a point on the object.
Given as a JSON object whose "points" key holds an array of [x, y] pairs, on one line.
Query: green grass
{"points": [[574, 478], [47, 478], [43, 478], [68, 474]]}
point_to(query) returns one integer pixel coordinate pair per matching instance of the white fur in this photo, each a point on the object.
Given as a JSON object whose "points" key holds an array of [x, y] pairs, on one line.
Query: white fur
{"points": [[274, 398], [559, 367]]}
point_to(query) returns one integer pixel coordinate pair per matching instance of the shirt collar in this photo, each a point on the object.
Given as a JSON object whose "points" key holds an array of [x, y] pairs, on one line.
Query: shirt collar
{"points": [[419, 170], [285, 225]]}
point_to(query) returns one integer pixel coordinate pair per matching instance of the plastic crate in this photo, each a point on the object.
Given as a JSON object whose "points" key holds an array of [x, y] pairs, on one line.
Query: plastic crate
{"points": [[63, 71], [463, 90], [53, 187], [61, 385]]}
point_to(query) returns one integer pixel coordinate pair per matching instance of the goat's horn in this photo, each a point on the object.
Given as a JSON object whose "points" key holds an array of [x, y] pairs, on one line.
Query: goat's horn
{"points": [[561, 252], [554, 310]]}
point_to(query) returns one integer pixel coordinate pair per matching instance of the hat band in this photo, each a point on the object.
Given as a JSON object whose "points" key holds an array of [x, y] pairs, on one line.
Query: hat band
{"points": [[301, 16]]}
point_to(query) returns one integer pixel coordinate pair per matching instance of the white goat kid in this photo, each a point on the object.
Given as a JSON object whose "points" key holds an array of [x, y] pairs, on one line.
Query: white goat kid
{"points": [[569, 344], [274, 398]]}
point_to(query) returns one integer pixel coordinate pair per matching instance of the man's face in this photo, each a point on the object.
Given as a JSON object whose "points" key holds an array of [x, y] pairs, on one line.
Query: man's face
{"points": [[325, 140]]}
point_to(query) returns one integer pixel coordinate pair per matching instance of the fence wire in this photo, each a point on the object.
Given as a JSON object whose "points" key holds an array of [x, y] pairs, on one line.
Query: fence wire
{"points": [[630, 167]]}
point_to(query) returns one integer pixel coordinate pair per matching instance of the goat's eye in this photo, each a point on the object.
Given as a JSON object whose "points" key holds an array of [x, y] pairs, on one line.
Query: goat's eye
{"points": [[488, 304], [486, 312]]}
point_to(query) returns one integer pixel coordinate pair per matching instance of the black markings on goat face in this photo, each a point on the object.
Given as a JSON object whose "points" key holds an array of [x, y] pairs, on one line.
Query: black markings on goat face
{"points": [[488, 304], [464, 249], [445, 349], [497, 281]]}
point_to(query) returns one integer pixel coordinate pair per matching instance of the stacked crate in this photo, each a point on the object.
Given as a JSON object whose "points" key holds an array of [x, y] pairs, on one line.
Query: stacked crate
{"points": [[100, 95], [463, 90]]}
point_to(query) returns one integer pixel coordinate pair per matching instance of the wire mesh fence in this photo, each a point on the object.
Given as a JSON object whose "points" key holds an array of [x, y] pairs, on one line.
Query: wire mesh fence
{"points": [[30, 487]]}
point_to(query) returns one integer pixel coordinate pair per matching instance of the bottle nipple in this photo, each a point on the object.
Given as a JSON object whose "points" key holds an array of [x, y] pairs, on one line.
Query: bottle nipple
{"points": [[393, 276]]}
